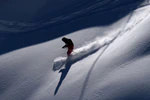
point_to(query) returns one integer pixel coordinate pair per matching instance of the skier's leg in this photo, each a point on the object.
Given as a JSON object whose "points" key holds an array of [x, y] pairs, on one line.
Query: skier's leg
{"points": [[69, 52], [70, 49]]}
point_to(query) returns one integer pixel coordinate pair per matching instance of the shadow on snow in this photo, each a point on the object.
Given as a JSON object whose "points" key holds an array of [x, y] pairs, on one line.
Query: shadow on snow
{"points": [[69, 62]]}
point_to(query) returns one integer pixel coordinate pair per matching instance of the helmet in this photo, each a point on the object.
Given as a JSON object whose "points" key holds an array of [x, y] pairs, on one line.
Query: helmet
{"points": [[64, 39]]}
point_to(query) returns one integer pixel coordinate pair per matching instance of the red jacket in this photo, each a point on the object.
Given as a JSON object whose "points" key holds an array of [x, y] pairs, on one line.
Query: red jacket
{"points": [[69, 44]]}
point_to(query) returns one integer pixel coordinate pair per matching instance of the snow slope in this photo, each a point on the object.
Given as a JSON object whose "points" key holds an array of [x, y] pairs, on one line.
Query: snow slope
{"points": [[109, 62], [55, 15]]}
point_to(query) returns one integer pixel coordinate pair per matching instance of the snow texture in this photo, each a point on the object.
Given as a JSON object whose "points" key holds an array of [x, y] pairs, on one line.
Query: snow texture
{"points": [[110, 60], [83, 51]]}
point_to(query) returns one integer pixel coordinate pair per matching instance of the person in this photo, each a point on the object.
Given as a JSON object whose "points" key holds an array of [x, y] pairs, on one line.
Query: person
{"points": [[68, 44]]}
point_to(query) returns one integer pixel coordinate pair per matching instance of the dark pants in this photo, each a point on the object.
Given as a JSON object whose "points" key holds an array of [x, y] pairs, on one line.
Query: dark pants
{"points": [[70, 49]]}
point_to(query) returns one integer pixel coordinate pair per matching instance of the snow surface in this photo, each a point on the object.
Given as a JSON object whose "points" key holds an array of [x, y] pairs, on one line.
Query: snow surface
{"points": [[110, 61]]}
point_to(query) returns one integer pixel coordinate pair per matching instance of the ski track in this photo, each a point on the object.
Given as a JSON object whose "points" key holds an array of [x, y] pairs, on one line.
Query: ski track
{"points": [[88, 74], [92, 67], [100, 42], [96, 43], [15, 27], [94, 63]]}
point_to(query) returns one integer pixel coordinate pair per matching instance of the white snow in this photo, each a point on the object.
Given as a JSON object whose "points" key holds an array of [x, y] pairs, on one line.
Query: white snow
{"points": [[109, 62]]}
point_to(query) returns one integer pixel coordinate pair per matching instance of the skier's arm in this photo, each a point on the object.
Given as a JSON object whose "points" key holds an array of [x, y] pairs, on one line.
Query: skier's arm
{"points": [[64, 46]]}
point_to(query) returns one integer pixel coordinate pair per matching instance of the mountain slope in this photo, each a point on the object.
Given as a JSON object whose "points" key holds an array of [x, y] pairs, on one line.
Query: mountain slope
{"points": [[109, 62]]}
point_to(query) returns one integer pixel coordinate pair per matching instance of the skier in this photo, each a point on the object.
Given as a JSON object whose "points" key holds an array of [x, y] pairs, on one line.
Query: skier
{"points": [[68, 44]]}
